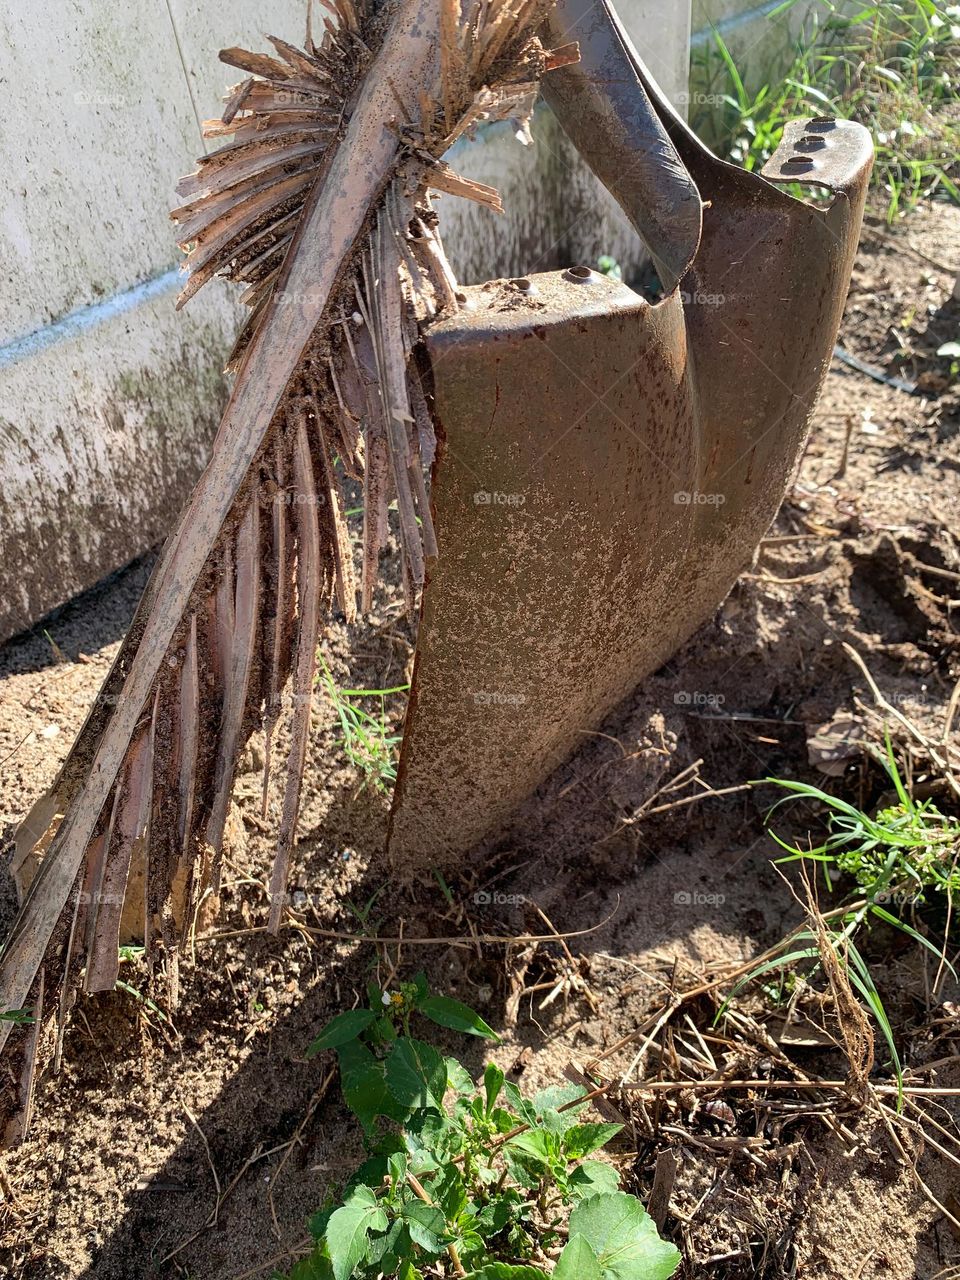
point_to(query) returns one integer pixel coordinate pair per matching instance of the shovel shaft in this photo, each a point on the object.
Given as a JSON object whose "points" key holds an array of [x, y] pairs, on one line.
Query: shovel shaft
{"points": [[605, 109]]}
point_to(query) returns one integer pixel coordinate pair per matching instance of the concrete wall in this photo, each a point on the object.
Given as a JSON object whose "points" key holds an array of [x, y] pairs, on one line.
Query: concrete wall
{"points": [[761, 38], [108, 398]]}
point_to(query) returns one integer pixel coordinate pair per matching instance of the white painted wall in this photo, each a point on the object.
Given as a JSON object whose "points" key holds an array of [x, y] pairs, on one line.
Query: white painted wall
{"points": [[108, 397]]}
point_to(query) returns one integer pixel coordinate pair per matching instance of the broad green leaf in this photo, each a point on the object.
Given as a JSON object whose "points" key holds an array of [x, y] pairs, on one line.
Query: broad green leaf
{"points": [[365, 1198], [471, 1246], [346, 1234], [409, 1272], [559, 1095], [458, 1079], [385, 1030], [504, 1121], [382, 1245], [364, 1085], [493, 1079], [592, 1178], [318, 1221], [342, 1029], [493, 1217], [316, 1266], [428, 1134], [524, 1108], [532, 1147], [548, 1104], [400, 1246], [426, 1225], [458, 1017], [577, 1262], [416, 1074], [624, 1238], [527, 1156], [374, 1169], [448, 1192], [582, 1139]]}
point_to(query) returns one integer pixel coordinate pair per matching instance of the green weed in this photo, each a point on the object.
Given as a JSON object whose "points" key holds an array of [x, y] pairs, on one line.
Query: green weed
{"points": [[894, 67], [366, 737], [905, 852], [21, 1017], [468, 1179], [904, 855]]}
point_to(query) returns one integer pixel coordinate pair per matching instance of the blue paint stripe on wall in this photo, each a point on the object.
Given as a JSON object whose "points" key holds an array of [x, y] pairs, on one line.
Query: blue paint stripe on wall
{"points": [[78, 322]]}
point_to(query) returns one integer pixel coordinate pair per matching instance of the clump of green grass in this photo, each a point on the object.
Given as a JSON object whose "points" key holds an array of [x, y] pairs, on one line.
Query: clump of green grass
{"points": [[904, 855], [365, 734], [906, 851], [894, 67]]}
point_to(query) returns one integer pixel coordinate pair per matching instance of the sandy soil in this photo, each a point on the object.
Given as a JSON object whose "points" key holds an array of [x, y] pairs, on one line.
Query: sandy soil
{"points": [[198, 1146]]}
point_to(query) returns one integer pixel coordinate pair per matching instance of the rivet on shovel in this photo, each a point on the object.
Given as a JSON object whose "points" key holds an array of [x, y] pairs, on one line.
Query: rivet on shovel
{"points": [[580, 275]]}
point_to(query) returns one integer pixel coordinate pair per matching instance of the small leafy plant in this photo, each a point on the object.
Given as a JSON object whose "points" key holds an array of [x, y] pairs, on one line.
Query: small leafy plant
{"points": [[468, 1179], [366, 736]]}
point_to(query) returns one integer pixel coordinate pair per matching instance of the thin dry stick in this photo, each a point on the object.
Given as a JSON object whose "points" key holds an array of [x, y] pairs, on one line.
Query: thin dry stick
{"points": [[728, 975], [315, 1101], [890, 1118], [222, 1196], [686, 775], [303, 1246], [951, 714], [940, 761], [338, 935], [701, 795], [813, 1083], [206, 1146], [664, 1177]]}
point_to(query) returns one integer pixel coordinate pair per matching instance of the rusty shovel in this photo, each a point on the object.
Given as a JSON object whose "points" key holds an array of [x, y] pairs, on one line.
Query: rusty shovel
{"points": [[609, 465]]}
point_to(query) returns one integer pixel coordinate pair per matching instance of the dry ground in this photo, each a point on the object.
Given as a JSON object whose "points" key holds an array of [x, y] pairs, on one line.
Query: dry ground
{"points": [[163, 1148]]}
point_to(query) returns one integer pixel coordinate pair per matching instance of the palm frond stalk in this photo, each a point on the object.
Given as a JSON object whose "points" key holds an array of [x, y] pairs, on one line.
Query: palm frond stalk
{"points": [[320, 207]]}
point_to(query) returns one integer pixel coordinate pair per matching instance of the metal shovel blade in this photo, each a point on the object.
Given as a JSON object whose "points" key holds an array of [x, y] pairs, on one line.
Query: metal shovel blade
{"points": [[607, 468]]}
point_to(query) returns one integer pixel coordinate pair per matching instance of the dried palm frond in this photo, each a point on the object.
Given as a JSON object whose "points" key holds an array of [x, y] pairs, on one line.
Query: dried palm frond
{"points": [[320, 206]]}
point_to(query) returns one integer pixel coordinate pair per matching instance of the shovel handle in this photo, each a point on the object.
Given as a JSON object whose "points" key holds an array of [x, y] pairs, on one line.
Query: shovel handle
{"points": [[603, 106]]}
